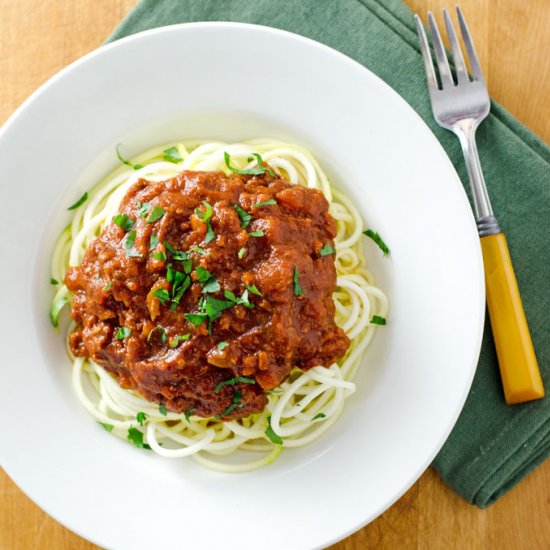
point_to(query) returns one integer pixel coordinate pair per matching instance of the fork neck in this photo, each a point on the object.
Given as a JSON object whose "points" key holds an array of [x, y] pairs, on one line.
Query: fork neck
{"points": [[466, 131]]}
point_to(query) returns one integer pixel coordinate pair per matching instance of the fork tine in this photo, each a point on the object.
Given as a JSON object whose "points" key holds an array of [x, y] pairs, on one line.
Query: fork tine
{"points": [[460, 66], [474, 60], [440, 55], [426, 55]]}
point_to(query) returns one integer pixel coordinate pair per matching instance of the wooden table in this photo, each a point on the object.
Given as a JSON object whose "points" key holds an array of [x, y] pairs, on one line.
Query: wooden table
{"points": [[39, 37]]}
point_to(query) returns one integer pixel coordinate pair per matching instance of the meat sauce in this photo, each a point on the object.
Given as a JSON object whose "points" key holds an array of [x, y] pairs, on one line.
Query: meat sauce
{"points": [[263, 306]]}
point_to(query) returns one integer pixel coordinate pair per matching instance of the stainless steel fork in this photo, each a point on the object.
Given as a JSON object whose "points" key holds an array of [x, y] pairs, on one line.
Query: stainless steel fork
{"points": [[460, 103]]}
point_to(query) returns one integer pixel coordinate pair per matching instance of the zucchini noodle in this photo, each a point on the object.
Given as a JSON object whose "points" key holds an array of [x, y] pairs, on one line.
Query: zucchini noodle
{"points": [[307, 403]]}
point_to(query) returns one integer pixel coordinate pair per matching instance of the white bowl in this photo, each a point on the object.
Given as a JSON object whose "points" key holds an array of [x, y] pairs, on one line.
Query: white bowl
{"points": [[233, 81]]}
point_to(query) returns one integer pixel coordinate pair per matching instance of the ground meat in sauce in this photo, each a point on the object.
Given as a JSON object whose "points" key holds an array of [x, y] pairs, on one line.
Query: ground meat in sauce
{"points": [[114, 286]]}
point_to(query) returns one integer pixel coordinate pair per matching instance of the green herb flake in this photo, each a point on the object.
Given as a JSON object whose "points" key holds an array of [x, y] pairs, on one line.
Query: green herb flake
{"points": [[56, 308], [214, 307], [153, 241], [162, 409], [377, 320], [269, 202], [327, 250], [258, 233], [196, 319], [107, 427], [222, 345], [143, 209], [180, 338], [54, 281], [233, 381], [108, 285], [177, 255], [172, 154], [212, 285], [296, 280], [136, 437], [244, 216], [210, 235], [125, 161], [156, 214], [161, 331], [129, 245], [141, 417], [227, 411], [161, 256], [207, 214], [187, 414], [319, 415], [198, 249], [202, 274], [272, 436], [124, 222], [256, 171], [241, 253], [378, 240], [162, 295], [253, 290], [122, 333], [80, 201]]}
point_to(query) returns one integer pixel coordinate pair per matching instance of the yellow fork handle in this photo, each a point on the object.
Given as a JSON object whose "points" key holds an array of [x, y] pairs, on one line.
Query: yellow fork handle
{"points": [[516, 357]]}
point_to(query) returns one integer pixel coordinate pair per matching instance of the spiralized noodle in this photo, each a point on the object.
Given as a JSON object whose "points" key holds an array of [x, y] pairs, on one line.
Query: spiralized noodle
{"points": [[305, 405]]}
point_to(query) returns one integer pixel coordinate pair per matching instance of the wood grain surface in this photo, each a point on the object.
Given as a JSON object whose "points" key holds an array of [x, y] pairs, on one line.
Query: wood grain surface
{"points": [[39, 37]]}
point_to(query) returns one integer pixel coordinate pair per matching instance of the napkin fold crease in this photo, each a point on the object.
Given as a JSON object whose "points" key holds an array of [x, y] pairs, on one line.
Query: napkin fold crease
{"points": [[493, 445]]}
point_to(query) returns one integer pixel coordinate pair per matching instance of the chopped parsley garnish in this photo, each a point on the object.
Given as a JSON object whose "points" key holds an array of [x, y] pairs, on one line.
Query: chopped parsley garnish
{"points": [[244, 216], [243, 300], [205, 218], [122, 333], [214, 307], [108, 285], [253, 290], [187, 414], [222, 345], [319, 415], [378, 240], [80, 201], [143, 209], [172, 154], [54, 281], [227, 411], [180, 283], [296, 280], [156, 214], [106, 427], [377, 320], [233, 381], [196, 319], [127, 162], [326, 250], [177, 255], [136, 437], [141, 417], [162, 409], [241, 253], [161, 256], [268, 202], [180, 338], [153, 241], [124, 222], [258, 233], [272, 436], [129, 245], [198, 249], [57, 306], [207, 280], [161, 331], [260, 169], [162, 295]]}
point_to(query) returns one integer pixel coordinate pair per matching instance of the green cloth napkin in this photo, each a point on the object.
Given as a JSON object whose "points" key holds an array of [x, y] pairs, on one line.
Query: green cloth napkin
{"points": [[493, 445]]}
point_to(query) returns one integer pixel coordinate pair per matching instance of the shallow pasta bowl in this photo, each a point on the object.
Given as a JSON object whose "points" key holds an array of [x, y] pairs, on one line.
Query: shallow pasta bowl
{"points": [[415, 375]]}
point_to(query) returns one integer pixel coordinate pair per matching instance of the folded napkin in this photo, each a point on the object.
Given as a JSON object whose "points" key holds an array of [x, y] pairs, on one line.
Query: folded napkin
{"points": [[493, 445]]}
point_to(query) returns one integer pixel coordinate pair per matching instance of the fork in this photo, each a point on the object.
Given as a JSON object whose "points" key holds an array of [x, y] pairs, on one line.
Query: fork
{"points": [[460, 104]]}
